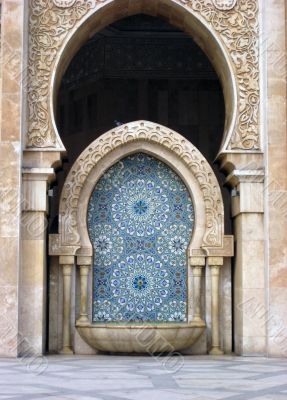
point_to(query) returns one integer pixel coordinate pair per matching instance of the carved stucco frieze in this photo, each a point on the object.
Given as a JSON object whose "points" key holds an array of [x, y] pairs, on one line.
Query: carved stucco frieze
{"points": [[224, 4], [151, 133], [239, 31], [48, 28], [237, 28], [64, 3]]}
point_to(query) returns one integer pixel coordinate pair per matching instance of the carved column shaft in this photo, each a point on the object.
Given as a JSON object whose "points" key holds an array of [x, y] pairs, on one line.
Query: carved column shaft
{"points": [[215, 264], [84, 263], [67, 263], [197, 264]]}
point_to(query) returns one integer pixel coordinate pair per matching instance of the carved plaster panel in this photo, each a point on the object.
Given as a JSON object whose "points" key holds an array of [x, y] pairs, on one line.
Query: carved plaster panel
{"points": [[137, 132], [64, 3], [237, 29], [224, 4]]}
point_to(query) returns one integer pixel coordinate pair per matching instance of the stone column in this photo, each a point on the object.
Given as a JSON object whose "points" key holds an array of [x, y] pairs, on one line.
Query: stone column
{"points": [[32, 277], [197, 265], [84, 264], [250, 312], [215, 264], [67, 264]]}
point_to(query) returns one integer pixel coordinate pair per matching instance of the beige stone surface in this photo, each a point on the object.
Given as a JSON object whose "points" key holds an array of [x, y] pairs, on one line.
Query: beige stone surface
{"points": [[277, 174], [12, 28], [8, 321], [8, 274], [250, 312]]}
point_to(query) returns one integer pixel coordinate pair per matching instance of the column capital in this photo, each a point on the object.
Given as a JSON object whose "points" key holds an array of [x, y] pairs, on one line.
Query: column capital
{"points": [[248, 191], [196, 261], [41, 158], [35, 182], [66, 260], [38, 174], [240, 161], [238, 176], [215, 261], [197, 270], [84, 261]]}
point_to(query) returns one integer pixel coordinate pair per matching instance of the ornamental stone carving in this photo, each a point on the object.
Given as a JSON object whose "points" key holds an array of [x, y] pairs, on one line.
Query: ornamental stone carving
{"points": [[237, 30], [224, 4], [139, 131], [64, 3]]}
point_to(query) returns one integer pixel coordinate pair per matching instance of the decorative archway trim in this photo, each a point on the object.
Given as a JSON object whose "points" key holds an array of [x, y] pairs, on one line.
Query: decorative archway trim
{"points": [[231, 27], [70, 238]]}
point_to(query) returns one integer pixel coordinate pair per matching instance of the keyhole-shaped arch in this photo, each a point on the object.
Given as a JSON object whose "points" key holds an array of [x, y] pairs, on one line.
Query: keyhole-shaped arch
{"points": [[177, 13], [162, 143]]}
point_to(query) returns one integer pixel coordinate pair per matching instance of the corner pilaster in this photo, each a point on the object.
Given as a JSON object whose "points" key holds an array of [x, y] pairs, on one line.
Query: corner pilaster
{"points": [[250, 313], [32, 279]]}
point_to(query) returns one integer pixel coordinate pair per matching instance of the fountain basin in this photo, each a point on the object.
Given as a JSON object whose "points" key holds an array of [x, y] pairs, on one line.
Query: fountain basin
{"points": [[141, 338]]}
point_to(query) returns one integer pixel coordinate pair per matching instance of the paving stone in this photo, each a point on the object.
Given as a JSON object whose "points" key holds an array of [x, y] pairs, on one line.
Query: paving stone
{"points": [[145, 378]]}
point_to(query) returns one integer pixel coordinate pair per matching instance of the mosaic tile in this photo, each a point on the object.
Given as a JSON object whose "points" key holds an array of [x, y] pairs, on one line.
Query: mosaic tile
{"points": [[140, 221]]}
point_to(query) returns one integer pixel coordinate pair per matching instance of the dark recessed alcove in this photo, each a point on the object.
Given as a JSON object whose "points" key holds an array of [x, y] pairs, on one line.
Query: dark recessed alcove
{"points": [[139, 67]]}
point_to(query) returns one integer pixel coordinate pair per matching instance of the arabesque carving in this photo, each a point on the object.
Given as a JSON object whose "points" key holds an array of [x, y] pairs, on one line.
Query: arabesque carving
{"points": [[224, 4], [237, 29], [64, 3], [155, 134]]}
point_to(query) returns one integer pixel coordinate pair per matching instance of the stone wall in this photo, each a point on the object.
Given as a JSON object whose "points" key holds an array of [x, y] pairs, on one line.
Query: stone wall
{"points": [[276, 190], [12, 31]]}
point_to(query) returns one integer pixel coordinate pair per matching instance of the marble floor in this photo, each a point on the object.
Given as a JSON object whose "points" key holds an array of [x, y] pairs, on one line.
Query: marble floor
{"points": [[143, 378]]}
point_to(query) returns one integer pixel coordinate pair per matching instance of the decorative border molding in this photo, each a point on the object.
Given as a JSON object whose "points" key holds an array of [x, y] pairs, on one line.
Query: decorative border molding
{"points": [[139, 131], [50, 24]]}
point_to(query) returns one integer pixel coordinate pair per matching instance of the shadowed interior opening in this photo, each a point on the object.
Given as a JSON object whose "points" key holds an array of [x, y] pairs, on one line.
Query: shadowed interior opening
{"points": [[140, 67]]}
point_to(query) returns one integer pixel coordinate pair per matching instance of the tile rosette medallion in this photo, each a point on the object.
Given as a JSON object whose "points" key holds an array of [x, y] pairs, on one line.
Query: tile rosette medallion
{"points": [[140, 221]]}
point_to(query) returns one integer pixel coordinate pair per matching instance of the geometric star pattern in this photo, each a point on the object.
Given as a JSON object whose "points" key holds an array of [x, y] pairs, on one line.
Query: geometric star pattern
{"points": [[140, 222]]}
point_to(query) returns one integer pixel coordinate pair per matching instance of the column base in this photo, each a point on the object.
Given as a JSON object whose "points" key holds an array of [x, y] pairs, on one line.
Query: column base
{"points": [[67, 351], [83, 320], [198, 320], [216, 351]]}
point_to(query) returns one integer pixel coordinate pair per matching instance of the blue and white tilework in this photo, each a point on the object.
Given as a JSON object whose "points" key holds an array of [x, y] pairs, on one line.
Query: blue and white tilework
{"points": [[140, 221]]}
